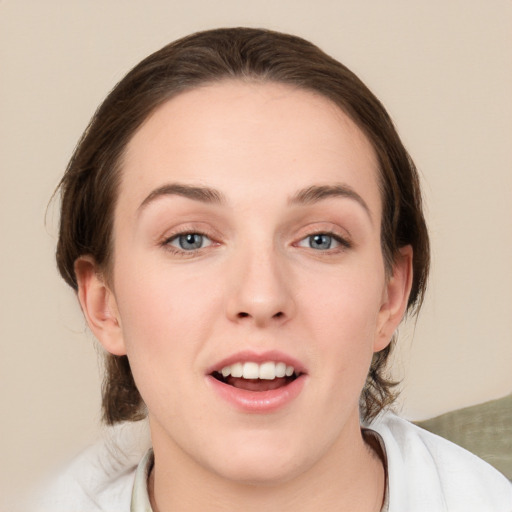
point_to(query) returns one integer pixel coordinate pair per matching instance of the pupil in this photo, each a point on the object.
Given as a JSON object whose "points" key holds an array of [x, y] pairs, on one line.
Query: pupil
{"points": [[191, 241], [320, 242]]}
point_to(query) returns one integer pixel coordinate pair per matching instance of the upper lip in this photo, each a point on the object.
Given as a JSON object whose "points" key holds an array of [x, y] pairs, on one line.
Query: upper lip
{"points": [[257, 357]]}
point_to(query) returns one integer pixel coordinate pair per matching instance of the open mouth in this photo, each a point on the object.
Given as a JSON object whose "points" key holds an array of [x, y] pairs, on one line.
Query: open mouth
{"points": [[252, 376]]}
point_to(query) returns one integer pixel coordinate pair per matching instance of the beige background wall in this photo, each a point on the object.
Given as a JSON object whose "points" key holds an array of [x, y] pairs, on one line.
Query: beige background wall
{"points": [[444, 71]]}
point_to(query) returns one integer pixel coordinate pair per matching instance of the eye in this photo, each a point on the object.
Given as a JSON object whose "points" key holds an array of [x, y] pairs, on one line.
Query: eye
{"points": [[189, 241], [322, 242]]}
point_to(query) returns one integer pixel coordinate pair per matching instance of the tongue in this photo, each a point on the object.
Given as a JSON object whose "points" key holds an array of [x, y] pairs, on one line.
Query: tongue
{"points": [[257, 384]]}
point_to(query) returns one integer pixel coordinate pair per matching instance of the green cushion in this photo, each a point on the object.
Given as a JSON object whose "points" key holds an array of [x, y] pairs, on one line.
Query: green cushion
{"points": [[484, 429]]}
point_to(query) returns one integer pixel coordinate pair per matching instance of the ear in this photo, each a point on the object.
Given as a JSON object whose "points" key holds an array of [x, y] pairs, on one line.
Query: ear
{"points": [[395, 298], [99, 306]]}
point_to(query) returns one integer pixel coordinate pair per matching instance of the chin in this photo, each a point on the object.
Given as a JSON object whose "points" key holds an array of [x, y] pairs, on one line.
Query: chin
{"points": [[260, 472], [261, 462]]}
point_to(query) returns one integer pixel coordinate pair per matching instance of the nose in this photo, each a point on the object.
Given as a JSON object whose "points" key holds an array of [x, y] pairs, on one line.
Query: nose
{"points": [[260, 289]]}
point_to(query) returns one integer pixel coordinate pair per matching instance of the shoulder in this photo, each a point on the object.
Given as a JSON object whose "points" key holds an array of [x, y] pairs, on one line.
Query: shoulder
{"points": [[99, 479], [429, 473]]}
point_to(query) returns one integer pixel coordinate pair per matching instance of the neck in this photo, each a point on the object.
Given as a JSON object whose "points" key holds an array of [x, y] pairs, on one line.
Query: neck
{"points": [[350, 476]]}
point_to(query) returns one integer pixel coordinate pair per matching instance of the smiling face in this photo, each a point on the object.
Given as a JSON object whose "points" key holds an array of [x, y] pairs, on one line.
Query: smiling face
{"points": [[248, 287]]}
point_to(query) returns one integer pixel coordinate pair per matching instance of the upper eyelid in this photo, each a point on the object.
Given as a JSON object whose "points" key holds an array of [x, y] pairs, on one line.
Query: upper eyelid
{"points": [[186, 229], [183, 233], [323, 227]]}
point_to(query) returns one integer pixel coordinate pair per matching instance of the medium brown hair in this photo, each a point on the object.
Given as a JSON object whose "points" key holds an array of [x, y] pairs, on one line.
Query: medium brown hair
{"points": [[90, 184]]}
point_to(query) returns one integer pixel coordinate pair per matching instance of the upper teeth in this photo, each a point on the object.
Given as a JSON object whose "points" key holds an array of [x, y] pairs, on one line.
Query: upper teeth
{"points": [[249, 370]]}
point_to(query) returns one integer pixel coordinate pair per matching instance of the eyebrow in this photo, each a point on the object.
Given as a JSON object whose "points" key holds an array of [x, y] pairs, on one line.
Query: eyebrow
{"points": [[316, 193], [203, 194], [308, 195]]}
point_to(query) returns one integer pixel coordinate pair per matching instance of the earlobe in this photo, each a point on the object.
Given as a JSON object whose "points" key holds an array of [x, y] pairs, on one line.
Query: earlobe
{"points": [[99, 306], [395, 298]]}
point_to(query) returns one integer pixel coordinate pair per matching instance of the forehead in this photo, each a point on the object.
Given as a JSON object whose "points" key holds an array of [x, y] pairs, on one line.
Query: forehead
{"points": [[252, 136]]}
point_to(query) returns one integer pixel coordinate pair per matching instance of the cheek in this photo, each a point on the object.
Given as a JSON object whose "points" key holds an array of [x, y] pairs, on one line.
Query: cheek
{"points": [[165, 319], [162, 310], [348, 303], [343, 321]]}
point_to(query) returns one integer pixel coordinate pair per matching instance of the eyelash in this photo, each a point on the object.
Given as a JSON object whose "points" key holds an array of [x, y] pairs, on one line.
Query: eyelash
{"points": [[344, 244], [166, 243]]}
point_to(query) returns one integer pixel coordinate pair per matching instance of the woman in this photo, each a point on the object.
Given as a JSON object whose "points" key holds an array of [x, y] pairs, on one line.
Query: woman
{"points": [[244, 230]]}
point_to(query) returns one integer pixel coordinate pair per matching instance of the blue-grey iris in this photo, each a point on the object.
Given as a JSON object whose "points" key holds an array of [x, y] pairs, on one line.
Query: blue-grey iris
{"points": [[190, 241], [320, 241]]}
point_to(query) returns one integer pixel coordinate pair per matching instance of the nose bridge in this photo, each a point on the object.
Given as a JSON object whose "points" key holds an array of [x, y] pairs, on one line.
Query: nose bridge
{"points": [[260, 290]]}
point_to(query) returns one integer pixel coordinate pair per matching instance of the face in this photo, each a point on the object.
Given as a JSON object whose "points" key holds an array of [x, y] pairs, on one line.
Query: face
{"points": [[248, 289]]}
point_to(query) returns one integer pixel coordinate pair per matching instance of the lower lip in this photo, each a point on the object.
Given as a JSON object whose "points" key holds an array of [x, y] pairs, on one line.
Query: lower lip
{"points": [[258, 402]]}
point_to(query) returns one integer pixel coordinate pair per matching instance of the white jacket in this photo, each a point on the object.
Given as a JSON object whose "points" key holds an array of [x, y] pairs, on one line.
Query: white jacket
{"points": [[425, 473]]}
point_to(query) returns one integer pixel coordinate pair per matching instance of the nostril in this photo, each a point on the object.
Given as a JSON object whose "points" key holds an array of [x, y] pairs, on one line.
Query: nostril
{"points": [[243, 314]]}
